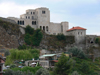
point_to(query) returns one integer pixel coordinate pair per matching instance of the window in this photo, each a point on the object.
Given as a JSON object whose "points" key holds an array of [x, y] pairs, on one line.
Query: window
{"points": [[28, 17], [78, 33], [46, 28], [32, 17], [41, 27], [43, 12], [81, 33], [33, 12], [33, 22], [18, 22], [21, 22]]}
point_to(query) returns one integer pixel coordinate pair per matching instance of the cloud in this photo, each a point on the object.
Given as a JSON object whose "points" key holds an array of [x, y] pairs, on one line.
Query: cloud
{"points": [[13, 9]]}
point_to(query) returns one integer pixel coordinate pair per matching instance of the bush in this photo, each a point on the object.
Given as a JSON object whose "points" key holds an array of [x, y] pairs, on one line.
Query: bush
{"points": [[7, 52], [75, 73], [37, 37], [77, 52], [27, 39], [97, 40], [27, 68], [61, 37], [11, 72], [42, 71], [29, 30]]}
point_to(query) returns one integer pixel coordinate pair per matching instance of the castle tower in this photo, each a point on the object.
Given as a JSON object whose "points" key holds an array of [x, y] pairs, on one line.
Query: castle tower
{"points": [[43, 18]]}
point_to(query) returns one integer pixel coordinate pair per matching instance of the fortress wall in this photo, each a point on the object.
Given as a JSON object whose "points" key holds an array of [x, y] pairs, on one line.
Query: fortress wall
{"points": [[55, 28], [8, 20]]}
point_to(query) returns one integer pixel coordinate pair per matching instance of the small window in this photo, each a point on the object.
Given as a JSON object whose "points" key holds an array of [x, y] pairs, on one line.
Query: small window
{"points": [[18, 22], [41, 27], [78, 33], [47, 28], [44, 28], [33, 12], [43, 12], [33, 22], [26, 17], [81, 33]]}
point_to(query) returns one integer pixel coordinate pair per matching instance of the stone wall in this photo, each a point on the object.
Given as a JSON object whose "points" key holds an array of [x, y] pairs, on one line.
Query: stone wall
{"points": [[8, 20]]}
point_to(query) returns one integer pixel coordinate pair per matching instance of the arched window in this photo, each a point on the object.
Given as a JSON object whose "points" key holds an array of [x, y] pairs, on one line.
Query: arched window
{"points": [[44, 28], [28, 17], [18, 22], [23, 22], [41, 27]]}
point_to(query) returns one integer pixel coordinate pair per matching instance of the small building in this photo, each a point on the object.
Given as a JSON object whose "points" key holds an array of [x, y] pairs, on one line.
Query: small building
{"points": [[79, 33], [48, 60], [2, 60]]}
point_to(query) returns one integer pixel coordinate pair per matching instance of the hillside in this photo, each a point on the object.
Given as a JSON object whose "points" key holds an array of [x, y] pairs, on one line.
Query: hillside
{"points": [[10, 35]]}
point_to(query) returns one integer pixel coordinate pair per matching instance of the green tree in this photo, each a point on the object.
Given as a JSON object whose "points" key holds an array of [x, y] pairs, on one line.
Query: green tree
{"points": [[37, 37], [77, 52], [27, 39], [29, 30], [63, 66]]}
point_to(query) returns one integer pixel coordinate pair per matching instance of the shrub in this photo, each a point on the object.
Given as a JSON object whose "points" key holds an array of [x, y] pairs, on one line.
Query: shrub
{"points": [[7, 52], [42, 71], [75, 73], [61, 37], [29, 30], [11, 72], [77, 52], [27, 39], [37, 37]]}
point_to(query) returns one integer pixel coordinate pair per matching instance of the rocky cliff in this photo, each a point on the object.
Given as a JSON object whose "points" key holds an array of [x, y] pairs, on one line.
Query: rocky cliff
{"points": [[10, 35]]}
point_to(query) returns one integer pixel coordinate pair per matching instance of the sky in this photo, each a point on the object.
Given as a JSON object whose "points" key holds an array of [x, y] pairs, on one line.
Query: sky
{"points": [[83, 13]]}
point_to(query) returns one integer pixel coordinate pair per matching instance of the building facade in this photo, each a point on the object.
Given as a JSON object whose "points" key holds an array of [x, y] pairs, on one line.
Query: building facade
{"points": [[40, 18], [79, 33]]}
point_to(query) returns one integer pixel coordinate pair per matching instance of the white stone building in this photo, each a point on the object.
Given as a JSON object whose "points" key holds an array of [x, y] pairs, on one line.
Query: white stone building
{"points": [[40, 18], [78, 32]]}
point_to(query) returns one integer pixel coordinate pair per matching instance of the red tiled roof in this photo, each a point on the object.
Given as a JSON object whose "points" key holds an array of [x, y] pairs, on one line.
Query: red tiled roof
{"points": [[55, 60], [76, 28]]}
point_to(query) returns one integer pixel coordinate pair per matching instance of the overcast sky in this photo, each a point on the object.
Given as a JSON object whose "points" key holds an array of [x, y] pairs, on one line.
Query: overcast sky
{"points": [[83, 13]]}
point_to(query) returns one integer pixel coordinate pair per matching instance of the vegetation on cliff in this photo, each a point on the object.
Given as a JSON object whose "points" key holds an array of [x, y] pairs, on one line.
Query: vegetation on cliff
{"points": [[32, 37]]}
